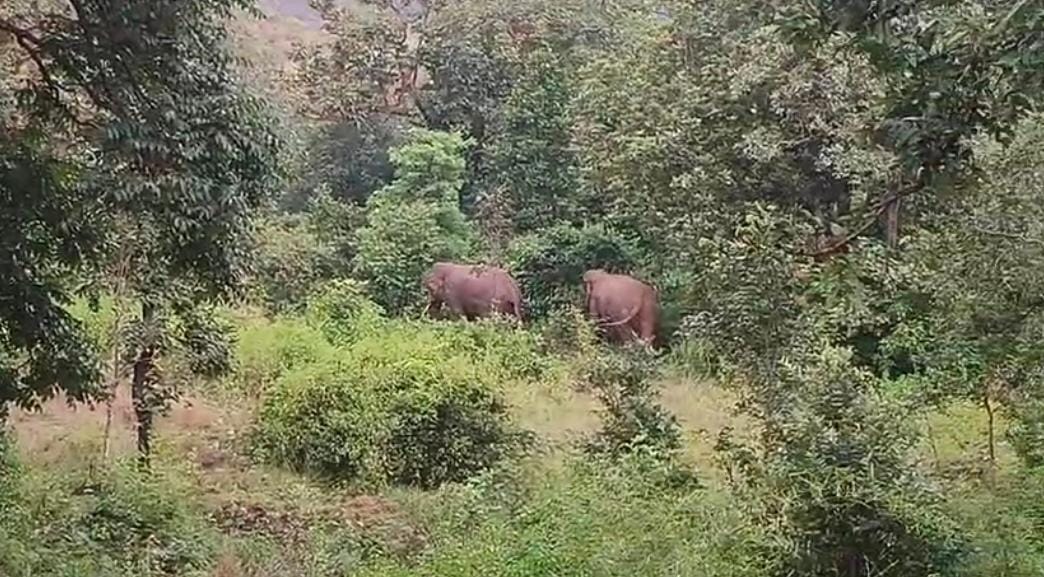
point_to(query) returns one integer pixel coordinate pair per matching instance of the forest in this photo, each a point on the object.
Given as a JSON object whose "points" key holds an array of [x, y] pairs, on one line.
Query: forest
{"points": [[218, 357]]}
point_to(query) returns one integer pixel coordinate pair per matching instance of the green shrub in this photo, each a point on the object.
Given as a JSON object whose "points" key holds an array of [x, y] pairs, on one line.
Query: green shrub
{"points": [[549, 265], [122, 524], [142, 524], [396, 406], [14, 522], [414, 221], [692, 358], [834, 473], [1005, 525], [1027, 432], [632, 420], [581, 519], [499, 346], [398, 245], [291, 260], [267, 349], [206, 342], [342, 311]]}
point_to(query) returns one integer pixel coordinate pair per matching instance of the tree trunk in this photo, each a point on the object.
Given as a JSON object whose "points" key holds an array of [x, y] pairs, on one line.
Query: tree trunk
{"points": [[892, 222], [990, 435], [143, 407], [114, 382], [931, 441]]}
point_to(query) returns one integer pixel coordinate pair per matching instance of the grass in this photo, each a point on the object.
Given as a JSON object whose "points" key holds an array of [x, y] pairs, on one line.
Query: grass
{"points": [[548, 512]]}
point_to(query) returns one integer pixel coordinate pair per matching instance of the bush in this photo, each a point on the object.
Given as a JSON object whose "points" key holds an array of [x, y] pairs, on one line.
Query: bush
{"points": [[504, 350], [1004, 524], [549, 265], [414, 221], [1027, 432], [396, 406], [268, 349], [123, 524], [582, 519], [632, 420], [835, 475], [342, 311], [143, 524], [398, 245], [291, 261]]}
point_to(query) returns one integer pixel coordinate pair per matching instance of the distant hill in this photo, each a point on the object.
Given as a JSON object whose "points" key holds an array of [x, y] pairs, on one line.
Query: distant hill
{"points": [[295, 9], [266, 44]]}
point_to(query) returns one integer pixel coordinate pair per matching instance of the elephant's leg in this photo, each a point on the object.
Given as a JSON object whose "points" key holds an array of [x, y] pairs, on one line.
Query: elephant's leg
{"points": [[647, 329], [454, 306]]}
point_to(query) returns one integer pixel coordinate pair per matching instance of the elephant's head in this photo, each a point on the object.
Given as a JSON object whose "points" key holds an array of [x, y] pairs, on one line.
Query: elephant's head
{"points": [[435, 284], [592, 276]]}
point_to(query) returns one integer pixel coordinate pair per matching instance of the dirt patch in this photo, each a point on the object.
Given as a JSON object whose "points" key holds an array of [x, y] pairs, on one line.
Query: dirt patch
{"points": [[65, 432], [370, 518], [238, 518], [386, 522]]}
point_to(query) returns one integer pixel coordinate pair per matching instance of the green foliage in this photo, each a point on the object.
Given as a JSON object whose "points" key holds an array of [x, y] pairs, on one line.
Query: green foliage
{"points": [[505, 351], [840, 203], [266, 350], [583, 519], [833, 470], [122, 524], [570, 330], [342, 312], [206, 342], [1027, 432], [831, 464], [50, 230], [291, 261], [348, 158], [131, 114], [414, 221], [335, 224], [549, 265], [1003, 522], [632, 420], [532, 160], [395, 406]]}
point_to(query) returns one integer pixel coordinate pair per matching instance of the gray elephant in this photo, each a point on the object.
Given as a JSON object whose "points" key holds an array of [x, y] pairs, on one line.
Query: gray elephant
{"points": [[472, 291], [624, 307]]}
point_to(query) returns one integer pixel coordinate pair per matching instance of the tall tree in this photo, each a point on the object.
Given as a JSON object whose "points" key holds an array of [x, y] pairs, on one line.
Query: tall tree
{"points": [[123, 112]]}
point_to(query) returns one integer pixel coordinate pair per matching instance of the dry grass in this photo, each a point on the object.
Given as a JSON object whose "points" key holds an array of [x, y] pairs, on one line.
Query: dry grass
{"points": [[195, 430], [955, 441], [561, 415]]}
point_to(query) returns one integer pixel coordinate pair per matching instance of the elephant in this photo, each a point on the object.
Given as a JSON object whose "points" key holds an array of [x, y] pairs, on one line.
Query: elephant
{"points": [[472, 291], [624, 307]]}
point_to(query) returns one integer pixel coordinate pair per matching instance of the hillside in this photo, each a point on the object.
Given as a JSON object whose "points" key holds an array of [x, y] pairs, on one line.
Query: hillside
{"points": [[299, 10]]}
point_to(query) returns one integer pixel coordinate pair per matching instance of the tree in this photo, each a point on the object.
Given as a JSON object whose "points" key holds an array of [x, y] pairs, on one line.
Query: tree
{"points": [[952, 72], [979, 336], [479, 68], [414, 221], [129, 113], [730, 138]]}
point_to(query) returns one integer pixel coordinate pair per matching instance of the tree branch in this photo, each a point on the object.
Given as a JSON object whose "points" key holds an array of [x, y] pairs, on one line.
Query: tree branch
{"points": [[878, 210], [1008, 235], [836, 247], [31, 44], [18, 32]]}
